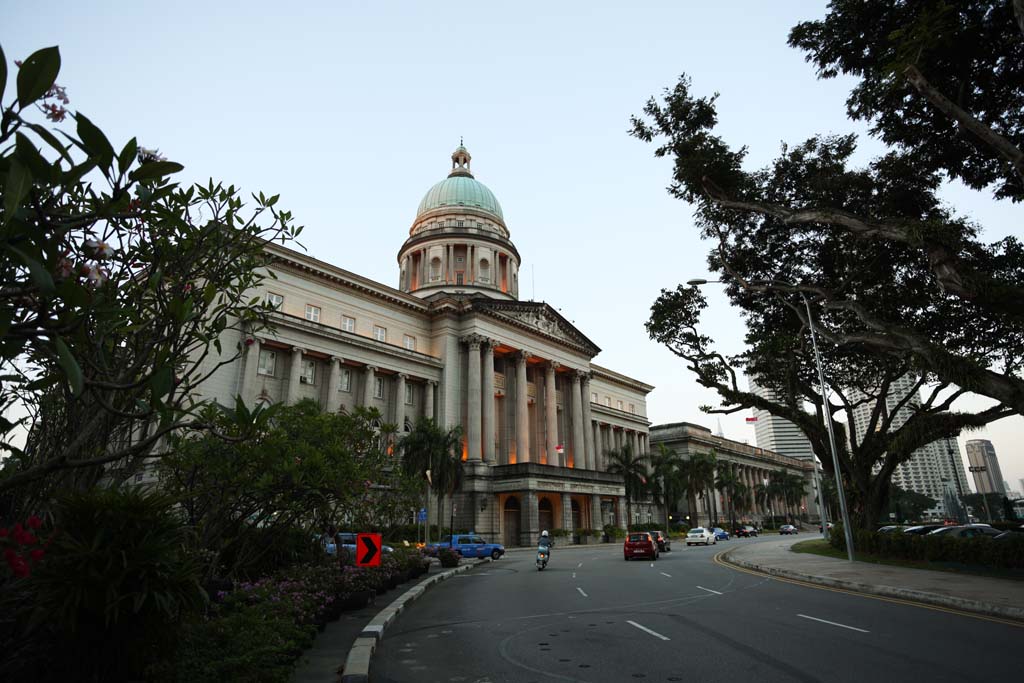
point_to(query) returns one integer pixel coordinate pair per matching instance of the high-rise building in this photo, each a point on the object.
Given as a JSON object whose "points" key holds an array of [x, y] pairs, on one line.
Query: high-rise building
{"points": [[988, 478], [778, 434], [1021, 485], [933, 467]]}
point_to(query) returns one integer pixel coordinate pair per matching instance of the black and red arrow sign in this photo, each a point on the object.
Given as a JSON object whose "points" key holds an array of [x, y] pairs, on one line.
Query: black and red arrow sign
{"points": [[368, 550]]}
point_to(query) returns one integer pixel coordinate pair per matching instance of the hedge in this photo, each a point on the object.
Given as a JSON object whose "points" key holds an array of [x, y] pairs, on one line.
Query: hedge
{"points": [[1003, 554]]}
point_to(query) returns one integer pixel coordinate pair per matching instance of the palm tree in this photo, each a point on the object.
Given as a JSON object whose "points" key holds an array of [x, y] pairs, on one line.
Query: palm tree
{"points": [[695, 476], [728, 482], [666, 485], [434, 453], [794, 487], [763, 495], [634, 475]]}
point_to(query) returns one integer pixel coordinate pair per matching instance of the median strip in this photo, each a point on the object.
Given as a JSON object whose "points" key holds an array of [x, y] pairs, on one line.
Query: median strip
{"points": [[647, 630], [832, 623]]}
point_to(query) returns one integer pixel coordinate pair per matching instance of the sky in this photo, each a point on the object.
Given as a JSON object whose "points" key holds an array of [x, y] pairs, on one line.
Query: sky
{"points": [[350, 111]]}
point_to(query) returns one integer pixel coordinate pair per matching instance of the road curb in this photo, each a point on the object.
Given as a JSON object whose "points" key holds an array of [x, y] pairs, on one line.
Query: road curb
{"points": [[357, 663], [935, 599]]}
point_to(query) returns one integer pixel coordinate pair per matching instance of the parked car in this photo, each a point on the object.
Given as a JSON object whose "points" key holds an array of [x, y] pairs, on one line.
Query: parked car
{"points": [[787, 530], [890, 529], [922, 529], [966, 531], [720, 534], [663, 541], [830, 525], [700, 534], [468, 545], [640, 544], [745, 531]]}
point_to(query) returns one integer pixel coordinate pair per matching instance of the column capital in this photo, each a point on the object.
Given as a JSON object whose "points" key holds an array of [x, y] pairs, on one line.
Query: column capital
{"points": [[492, 343], [432, 382], [336, 359], [475, 341], [298, 349], [585, 376], [577, 375], [371, 368], [523, 355], [403, 376]]}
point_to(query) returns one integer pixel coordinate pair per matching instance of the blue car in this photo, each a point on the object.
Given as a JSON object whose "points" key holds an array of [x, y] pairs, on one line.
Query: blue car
{"points": [[468, 545], [720, 534]]}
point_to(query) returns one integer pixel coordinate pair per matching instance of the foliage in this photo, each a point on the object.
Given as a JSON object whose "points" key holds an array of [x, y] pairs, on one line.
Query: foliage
{"points": [[117, 286], [22, 547], [900, 284], [907, 504], [115, 582], [996, 508], [631, 467], [612, 531], [433, 453], [1006, 554], [448, 557]]}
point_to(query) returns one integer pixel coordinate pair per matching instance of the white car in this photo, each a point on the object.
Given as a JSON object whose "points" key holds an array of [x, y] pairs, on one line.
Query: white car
{"points": [[700, 535]]}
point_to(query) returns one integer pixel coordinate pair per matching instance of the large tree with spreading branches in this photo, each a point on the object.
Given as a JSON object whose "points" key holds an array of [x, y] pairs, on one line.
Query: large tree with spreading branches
{"points": [[899, 283]]}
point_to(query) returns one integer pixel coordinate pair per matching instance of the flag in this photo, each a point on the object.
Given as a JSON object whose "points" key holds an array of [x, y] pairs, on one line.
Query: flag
{"points": [[559, 448], [751, 420]]}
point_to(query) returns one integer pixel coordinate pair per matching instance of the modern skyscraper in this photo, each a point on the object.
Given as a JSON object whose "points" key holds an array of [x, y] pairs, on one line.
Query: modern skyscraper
{"points": [[777, 434], [988, 478], [931, 467]]}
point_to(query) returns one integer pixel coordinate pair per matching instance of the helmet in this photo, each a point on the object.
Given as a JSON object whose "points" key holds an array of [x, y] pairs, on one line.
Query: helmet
{"points": [[544, 533]]}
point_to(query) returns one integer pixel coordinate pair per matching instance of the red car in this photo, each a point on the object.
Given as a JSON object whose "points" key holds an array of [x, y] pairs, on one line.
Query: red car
{"points": [[640, 544]]}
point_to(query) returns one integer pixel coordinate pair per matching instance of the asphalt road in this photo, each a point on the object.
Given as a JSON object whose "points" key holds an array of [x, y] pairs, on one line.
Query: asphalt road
{"points": [[590, 616]]}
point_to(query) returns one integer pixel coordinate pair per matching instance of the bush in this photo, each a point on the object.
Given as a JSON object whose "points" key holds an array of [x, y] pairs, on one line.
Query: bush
{"points": [[648, 526], [448, 557], [613, 531], [1006, 554], [560, 533]]}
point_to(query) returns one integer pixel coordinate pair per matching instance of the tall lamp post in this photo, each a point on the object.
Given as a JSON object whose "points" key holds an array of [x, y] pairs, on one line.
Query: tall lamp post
{"points": [[847, 531]]}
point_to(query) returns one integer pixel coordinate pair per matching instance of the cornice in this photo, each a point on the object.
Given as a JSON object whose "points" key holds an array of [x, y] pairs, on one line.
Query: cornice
{"points": [[618, 378]]}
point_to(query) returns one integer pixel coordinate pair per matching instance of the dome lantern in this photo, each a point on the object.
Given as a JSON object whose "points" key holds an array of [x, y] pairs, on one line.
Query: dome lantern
{"points": [[460, 162]]}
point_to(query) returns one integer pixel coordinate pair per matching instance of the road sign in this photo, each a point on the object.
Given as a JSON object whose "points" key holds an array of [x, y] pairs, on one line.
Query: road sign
{"points": [[421, 516], [368, 550]]}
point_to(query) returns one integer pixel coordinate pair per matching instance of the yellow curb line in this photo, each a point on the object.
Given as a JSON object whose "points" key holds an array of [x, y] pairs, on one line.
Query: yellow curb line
{"points": [[725, 563]]}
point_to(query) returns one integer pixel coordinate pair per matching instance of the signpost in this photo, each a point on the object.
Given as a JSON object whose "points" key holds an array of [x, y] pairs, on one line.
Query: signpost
{"points": [[368, 550]]}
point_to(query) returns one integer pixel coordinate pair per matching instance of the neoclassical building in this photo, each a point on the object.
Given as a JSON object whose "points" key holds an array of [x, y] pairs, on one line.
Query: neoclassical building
{"points": [[453, 342]]}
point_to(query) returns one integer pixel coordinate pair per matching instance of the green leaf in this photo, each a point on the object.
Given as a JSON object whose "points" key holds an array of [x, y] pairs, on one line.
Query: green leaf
{"points": [[69, 365], [19, 180], [162, 381], [127, 155], [94, 141], [51, 140], [39, 274], [3, 74], [35, 161], [37, 74], [155, 169]]}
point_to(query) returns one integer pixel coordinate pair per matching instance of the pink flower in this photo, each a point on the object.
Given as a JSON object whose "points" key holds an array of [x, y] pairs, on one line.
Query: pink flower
{"points": [[97, 276], [37, 554], [249, 341], [65, 268], [34, 522]]}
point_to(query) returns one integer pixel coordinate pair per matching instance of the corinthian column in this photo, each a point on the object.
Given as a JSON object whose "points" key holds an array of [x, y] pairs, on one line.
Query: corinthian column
{"points": [[368, 386], [522, 410], [400, 403], [488, 399], [252, 362], [333, 380], [293, 377], [473, 400], [428, 400], [588, 426], [551, 414], [578, 447]]}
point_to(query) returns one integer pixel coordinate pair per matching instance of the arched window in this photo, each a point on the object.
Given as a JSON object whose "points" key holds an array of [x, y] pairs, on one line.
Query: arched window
{"points": [[485, 270], [435, 269]]}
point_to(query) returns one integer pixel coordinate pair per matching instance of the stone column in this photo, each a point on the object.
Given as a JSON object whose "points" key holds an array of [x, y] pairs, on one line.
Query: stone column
{"points": [[623, 520], [400, 402], [595, 512], [428, 399], [488, 399], [578, 445], [333, 380], [473, 400], [567, 513], [529, 520], [551, 413], [252, 364], [522, 412], [368, 386], [588, 429], [293, 377], [598, 448]]}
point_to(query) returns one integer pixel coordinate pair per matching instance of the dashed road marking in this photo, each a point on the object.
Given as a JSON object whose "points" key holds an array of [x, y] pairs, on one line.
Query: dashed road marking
{"points": [[832, 623], [581, 592], [647, 630], [664, 574], [708, 590]]}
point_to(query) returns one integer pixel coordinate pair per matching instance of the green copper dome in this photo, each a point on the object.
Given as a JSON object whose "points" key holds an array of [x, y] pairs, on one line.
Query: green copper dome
{"points": [[460, 190]]}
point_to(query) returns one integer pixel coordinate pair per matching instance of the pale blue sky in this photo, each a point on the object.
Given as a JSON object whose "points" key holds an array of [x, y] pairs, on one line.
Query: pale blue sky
{"points": [[350, 111]]}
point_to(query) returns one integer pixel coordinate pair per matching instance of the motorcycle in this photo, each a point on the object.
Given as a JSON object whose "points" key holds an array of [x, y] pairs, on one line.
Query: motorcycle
{"points": [[543, 555]]}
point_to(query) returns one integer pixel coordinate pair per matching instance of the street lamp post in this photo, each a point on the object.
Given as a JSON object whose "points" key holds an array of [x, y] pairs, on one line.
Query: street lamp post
{"points": [[847, 531]]}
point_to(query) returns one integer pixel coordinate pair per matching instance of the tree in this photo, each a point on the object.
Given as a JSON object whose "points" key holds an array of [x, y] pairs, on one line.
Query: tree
{"points": [[117, 287], [906, 505], [665, 485], [977, 503], [900, 286], [696, 476], [729, 482], [430, 449], [632, 468]]}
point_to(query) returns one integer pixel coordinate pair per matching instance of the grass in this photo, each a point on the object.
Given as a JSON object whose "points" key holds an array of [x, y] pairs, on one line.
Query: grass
{"points": [[822, 547]]}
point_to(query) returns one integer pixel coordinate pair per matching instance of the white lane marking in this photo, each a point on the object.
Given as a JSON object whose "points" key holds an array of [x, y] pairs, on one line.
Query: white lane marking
{"points": [[644, 628], [664, 574], [652, 565], [574, 575], [708, 590], [832, 623], [581, 592], [579, 565]]}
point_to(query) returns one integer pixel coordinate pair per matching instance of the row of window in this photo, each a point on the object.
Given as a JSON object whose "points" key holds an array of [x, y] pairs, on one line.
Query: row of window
{"points": [[348, 323], [268, 367], [608, 402]]}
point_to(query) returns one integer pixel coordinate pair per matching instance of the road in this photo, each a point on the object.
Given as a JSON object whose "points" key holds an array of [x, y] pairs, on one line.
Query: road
{"points": [[590, 616]]}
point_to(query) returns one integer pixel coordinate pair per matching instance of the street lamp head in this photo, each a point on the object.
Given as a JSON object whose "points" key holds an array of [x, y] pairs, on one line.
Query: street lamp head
{"points": [[697, 282]]}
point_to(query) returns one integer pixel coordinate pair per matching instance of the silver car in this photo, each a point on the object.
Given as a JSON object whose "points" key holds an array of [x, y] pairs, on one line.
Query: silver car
{"points": [[700, 535]]}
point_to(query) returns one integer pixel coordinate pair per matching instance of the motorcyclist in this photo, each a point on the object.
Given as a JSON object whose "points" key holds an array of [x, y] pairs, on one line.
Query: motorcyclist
{"points": [[546, 540]]}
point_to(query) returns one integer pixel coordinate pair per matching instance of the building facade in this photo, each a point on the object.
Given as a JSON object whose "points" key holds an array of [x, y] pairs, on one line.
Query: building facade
{"points": [[777, 434], [932, 469], [754, 466], [988, 477], [454, 343]]}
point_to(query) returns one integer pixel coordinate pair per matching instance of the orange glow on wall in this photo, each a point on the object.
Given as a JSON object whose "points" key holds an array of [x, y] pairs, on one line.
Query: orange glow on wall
{"points": [[465, 450]]}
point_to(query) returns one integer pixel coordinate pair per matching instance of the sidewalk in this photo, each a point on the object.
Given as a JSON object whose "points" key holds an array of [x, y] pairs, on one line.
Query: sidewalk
{"points": [[994, 597]]}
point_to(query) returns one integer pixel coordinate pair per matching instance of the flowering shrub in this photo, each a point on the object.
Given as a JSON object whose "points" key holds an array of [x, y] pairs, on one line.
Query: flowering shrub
{"points": [[448, 557], [21, 547]]}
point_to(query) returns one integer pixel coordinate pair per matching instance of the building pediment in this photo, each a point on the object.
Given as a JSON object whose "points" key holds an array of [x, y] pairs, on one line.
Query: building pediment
{"points": [[537, 317]]}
